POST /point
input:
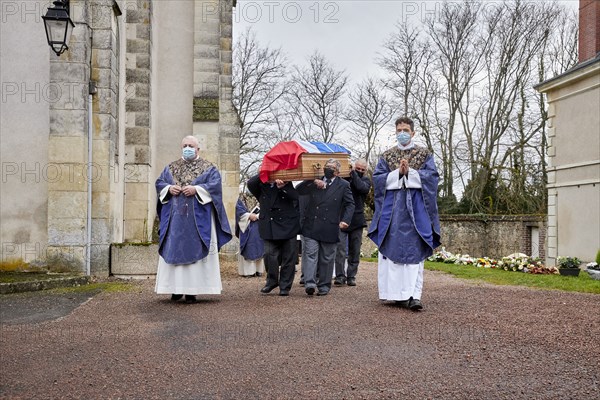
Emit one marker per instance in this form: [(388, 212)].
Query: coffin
[(310, 166), (298, 160)]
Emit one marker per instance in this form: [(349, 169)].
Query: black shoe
[(339, 281), (301, 282), (322, 293), (402, 303), (310, 291), (415, 304), (190, 299), (284, 292), (259, 274), (176, 297), (268, 289), (351, 281)]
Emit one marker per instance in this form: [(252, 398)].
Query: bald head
[(189, 148), (190, 140)]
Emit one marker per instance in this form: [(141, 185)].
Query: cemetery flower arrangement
[(537, 267), (517, 262), (593, 265), (486, 262)]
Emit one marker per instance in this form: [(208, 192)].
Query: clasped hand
[(188, 190), (403, 167)]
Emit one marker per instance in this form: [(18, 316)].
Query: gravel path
[(472, 341)]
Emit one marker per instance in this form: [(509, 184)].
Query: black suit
[(352, 236), (278, 225), (320, 229), (326, 208)]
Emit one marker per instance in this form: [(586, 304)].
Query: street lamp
[(58, 26)]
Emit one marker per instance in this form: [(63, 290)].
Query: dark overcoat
[(279, 216), (326, 209)]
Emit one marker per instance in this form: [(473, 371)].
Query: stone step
[(50, 283)]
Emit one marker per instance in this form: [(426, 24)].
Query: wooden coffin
[(310, 166)]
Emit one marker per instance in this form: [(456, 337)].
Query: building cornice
[(577, 73)]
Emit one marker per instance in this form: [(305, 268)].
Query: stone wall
[(215, 120), (105, 72), (67, 145), (486, 235), (139, 182)]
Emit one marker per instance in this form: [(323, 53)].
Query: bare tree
[(316, 99), (458, 45), (402, 59), (467, 80), (368, 112), (258, 84), (522, 30)]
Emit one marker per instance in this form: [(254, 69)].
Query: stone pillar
[(229, 126), (215, 120), (105, 72), (67, 146), (94, 43), (139, 184), (552, 221)]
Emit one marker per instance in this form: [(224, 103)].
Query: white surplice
[(399, 281)]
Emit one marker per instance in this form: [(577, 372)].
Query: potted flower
[(569, 266)]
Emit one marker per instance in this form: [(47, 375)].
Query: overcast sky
[(349, 33)]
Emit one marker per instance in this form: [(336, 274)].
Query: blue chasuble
[(185, 224)]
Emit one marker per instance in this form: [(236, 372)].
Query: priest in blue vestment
[(193, 226), (252, 247), (405, 224)]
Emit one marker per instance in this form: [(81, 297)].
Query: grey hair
[(194, 138), (361, 161), (335, 162)]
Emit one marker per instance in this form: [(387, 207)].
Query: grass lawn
[(582, 283)]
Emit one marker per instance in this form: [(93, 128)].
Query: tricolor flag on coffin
[(287, 156)]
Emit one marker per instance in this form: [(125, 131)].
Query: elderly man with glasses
[(330, 208)]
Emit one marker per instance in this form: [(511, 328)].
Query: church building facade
[(138, 76)]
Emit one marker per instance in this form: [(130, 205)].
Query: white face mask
[(188, 153)]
